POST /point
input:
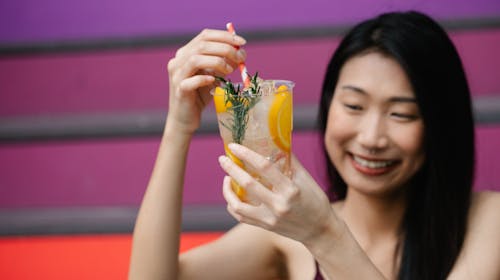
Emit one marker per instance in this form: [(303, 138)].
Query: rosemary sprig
[(242, 100)]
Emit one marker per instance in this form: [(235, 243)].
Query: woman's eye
[(353, 107), (404, 116)]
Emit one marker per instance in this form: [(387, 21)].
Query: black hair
[(435, 219)]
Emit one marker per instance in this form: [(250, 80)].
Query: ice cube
[(266, 88)]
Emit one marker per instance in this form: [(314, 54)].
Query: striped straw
[(242, 66)]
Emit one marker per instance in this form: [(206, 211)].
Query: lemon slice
[(280, 119), (220, 105)]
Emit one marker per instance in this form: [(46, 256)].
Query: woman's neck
[(375, 222), (373, 219)]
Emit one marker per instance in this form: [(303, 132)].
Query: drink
[(259, 118)]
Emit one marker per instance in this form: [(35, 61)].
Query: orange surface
[(75, 257)]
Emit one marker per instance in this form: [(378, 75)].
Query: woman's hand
[(191, 75), (296, 208)]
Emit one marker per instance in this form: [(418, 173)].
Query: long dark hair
[(439, 195)]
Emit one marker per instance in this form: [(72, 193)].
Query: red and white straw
[(243, 69)]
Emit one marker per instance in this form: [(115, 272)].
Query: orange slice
[(230, 155), (280, 119), (220, 105), (237, 189)]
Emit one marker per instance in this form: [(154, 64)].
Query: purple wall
[(137, 80), (115, 172), (31, 20)]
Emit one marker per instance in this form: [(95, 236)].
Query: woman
[(398, 132)]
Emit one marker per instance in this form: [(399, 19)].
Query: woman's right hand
[(192, 74)]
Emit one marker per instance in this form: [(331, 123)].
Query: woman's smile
[(372, 166)]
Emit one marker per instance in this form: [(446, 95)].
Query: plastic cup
[(262, 122)]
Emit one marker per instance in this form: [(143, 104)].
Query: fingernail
[(223, 159), (242, 54), (233, 147), (210, 78), (229, 68), (239, 40)]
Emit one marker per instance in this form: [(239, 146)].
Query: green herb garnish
[(242, 100)]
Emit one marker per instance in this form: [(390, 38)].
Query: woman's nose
[(372, 133)]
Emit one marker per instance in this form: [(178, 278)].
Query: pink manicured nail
[(233, 147), (223, 159)]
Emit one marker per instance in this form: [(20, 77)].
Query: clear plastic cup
[(262, 122)]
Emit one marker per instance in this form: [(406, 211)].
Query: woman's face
[(374, 131)]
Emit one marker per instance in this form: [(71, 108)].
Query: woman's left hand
[(294, 207)]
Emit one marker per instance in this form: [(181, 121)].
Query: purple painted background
[(32, 20), (115, 172), (137, 80)]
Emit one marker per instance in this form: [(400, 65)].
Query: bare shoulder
[(244, 251), (480, 253), (482, 197), (484, 211)]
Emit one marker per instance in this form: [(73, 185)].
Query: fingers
[(221, 36), (264, 167), (212, 52), (219, 54), (239, 210), (244, 212), (197, 62), (256, 192), (223, 50), (232, 200), (195, 82), (277, 201), (214, 43)]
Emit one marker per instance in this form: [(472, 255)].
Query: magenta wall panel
[(137, 79), (84, 83), (116, 172), (488, 158), (111, 172), (78, 173), (480, 54)]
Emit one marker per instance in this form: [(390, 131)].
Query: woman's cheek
[(339, 130), (339, 125), (409, 137)]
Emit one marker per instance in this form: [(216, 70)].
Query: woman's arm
[(155, 244), (244, 252), (156, 233)]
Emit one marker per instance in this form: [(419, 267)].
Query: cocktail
[(259, 117)]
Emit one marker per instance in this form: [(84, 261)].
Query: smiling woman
[(429, 143), (396, 120)]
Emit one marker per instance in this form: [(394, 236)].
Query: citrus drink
[(268, 124)]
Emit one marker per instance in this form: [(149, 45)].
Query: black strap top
[(318, 275)]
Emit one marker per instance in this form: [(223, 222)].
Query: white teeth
[(372, 164)]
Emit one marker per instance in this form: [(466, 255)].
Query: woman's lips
[(372, 167)]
